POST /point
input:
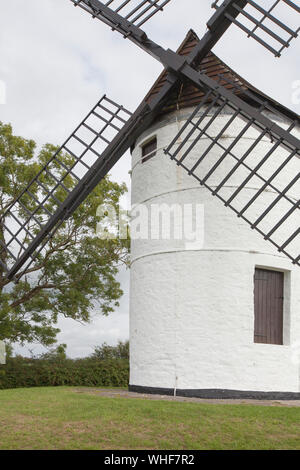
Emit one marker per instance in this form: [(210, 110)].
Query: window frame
[(147, 154)]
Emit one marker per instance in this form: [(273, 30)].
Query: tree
[(105, 351), (55, 354), (75, 273)]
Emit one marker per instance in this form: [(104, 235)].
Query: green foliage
[(106, 352), (108, 366), (57, 354), (76, 272), (25, 372), (54, 368)]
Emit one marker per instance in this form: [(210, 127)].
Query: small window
[(149, 150), (268, 306)]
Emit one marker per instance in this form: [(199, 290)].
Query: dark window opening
[(268, 306), (149, 150)]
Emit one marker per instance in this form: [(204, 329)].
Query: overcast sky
[(56, 62)]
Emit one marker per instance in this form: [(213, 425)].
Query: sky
[(56, 62)]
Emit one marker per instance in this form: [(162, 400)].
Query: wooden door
[(268, 306)]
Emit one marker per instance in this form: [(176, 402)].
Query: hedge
[(24, 372)]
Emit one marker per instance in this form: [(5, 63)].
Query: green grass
[(60, 418)]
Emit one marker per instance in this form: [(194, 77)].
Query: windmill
[(201, 131)]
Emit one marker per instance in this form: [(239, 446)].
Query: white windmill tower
[(216, 316)]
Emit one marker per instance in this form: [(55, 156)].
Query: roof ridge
[(188, 95)]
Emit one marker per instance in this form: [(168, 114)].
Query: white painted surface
[(192, 311), (2, 352)]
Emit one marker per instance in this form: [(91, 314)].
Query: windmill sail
[(109, 130), (227, 167), (136, 12), (60, 186), (269, 26)]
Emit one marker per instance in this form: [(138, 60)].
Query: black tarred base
[(216, 393)]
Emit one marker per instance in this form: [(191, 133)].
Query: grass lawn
[(60, 418)]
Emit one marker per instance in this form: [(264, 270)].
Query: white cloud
[(57, 62)]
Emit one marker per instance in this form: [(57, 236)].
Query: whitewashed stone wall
[(192, 310), (2, 352)]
